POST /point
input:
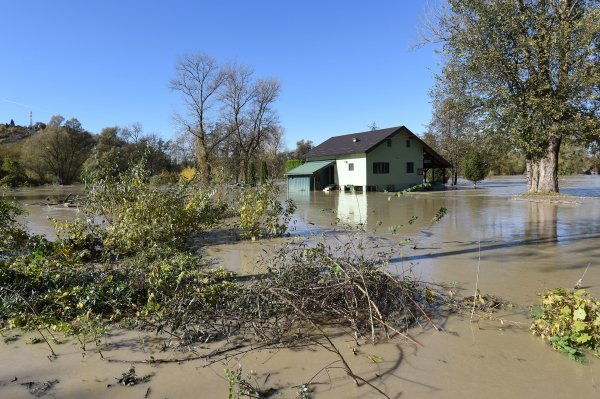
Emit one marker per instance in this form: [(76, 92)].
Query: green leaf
[(583, 338), (579, 314), (578, 326)]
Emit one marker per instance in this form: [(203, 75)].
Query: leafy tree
[(264, 172), (109, 151), (56, 121), (59, 151), (12, 173), (530, 69), (302, 148), (251, 175), (476, 167)]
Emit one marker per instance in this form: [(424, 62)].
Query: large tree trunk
[(204, 167), (542, 173)]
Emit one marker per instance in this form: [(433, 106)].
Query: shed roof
[(363, 142), (309, 168)]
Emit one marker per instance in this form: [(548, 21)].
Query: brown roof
[(366, 141)]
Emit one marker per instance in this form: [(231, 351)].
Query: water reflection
[(352, 208), (541, 221)]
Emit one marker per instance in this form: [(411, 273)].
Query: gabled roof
[(351, 143), (309, 168), (366, 141)]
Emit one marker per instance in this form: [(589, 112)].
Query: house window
[(381, 168), (350, 167), (407, 143), (389, 142), (410, 167)]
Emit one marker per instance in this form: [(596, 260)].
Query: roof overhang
[(309, 168)]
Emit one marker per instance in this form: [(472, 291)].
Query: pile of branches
[(305, 291)]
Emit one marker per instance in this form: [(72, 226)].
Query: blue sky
[(342, 64)]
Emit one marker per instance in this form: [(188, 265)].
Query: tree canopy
[(529, 72)]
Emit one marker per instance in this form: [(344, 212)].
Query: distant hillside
[(11, 133)]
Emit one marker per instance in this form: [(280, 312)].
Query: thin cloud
[(21, 104)]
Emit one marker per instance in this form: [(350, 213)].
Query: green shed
[(310, 176)]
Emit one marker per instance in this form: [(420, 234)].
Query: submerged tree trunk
[(542, 173)]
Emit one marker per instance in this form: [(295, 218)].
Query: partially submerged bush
[(136, 215), (12, 234), (45, 289), (261, 212), (570, 320)]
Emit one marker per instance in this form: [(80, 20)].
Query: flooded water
[(509, 246), (38, 218)]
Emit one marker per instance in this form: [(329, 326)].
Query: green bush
[(251, 178), (12, 234), (292, 163), (264, 172), (262, 214), (12, 174), (137, 216), (570, 320), (82, 297)]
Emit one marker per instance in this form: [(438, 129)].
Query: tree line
[(62, 151)]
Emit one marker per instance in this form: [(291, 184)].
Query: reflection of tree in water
[(541, 221)]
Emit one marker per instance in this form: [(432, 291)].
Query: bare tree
[(199, 79), (132, 134), (249, 111)]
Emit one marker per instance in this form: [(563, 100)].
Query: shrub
[(570, 320), (292, 163), (187, 174), (264, 172), (12, 234), (137, 216), (251, 174), (262, 214), (12, 174)]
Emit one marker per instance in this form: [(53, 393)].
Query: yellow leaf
[(375, 358)]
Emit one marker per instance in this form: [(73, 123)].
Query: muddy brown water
[(519, 247)]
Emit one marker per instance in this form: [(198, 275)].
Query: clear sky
[(342, 64)]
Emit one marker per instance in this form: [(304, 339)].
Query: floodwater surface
[(506, 245)]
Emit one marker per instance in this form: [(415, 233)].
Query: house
[(386, 159)]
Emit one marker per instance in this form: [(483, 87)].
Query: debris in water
[(39, 389)]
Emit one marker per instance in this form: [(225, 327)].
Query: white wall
[(343, 176), (357, 177)]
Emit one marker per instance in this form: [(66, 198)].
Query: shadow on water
[(502, 245)]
